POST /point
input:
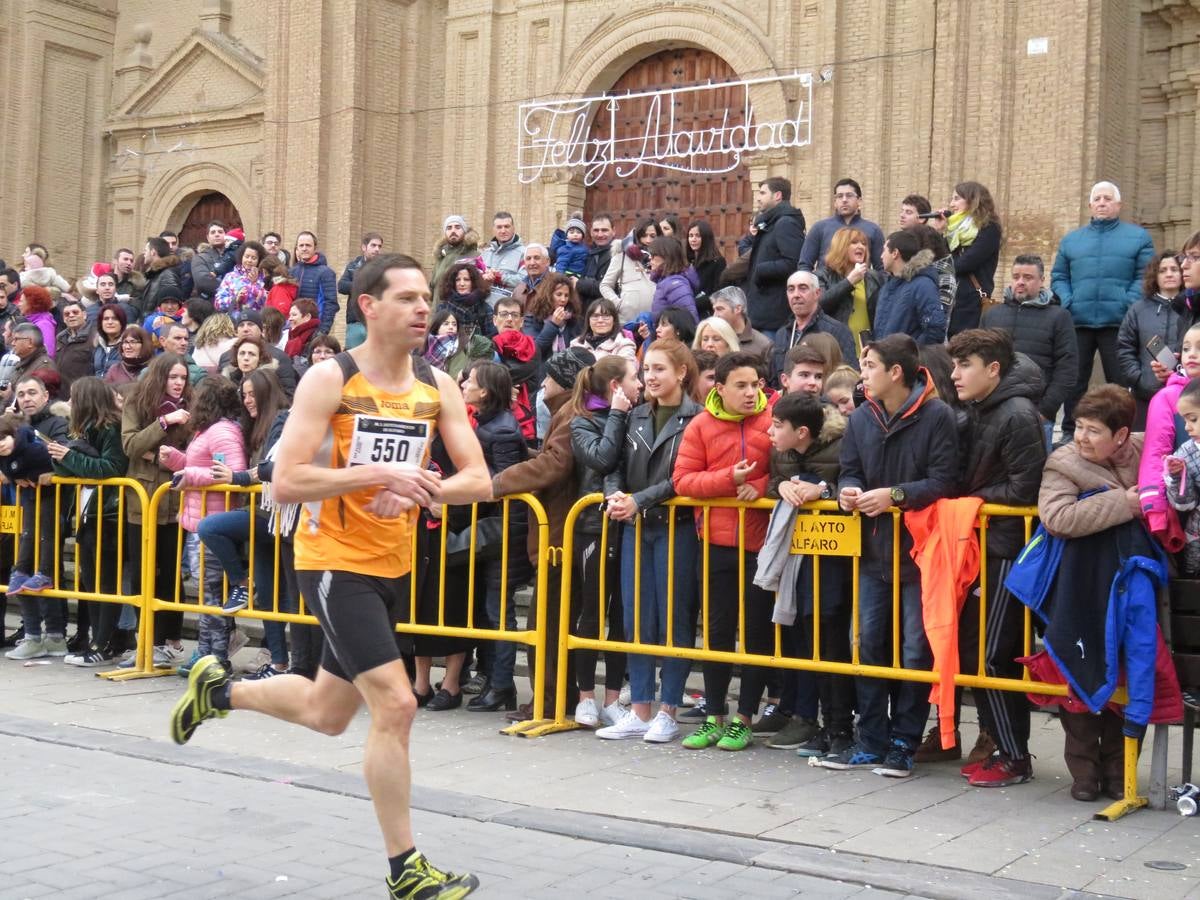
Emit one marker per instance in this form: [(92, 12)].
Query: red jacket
[(711, 447)]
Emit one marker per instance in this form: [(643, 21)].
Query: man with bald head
[(1097, 275), (804, 300)]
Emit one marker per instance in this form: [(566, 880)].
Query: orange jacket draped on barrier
[(946, 550)]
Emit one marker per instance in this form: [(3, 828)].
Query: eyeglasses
[(508, 315), (132, 341), (1184, 258)]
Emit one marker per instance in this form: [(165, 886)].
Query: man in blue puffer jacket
[(1097, 275)]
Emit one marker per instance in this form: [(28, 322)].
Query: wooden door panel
[(724, 199)]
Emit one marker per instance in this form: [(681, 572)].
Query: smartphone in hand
[(1162, 353)]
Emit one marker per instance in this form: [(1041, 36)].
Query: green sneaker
[(207, 675), (737, 736), (421, 881), (706, 735)]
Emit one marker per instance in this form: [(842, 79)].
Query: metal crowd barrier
[(238, 497), (846, 543), (71, 497)]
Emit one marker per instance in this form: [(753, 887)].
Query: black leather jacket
[(647, 460), (596, 443)]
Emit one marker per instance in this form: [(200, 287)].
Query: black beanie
[(564, 367)]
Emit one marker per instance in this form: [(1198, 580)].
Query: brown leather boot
[(931, 749), (983, 749)]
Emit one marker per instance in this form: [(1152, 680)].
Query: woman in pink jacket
[(217, 438), (1161, 441)]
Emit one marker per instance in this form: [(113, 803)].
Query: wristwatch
[(897, 496)]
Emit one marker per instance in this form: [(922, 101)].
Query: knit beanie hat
[(564, 367), (454, 220), (576, 223)]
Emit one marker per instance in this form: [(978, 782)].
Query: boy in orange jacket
[(726, 453)]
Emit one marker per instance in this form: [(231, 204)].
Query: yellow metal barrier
[(806, 531), (534, 638), (77, 492)]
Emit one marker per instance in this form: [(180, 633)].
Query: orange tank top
[(370, 425)]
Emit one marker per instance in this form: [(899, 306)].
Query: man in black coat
[(1042, 330), (1005, 452), (900, 449), (599, 256), (372, 246), (775, 254)]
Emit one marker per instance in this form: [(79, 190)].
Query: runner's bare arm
[(471, 482), (297, 479)]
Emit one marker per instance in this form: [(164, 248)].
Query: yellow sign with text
[(10, 520), (817, 535)]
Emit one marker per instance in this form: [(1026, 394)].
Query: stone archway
[(171, 200)]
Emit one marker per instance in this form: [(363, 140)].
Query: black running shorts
[(358, 614)]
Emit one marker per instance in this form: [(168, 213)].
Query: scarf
[(515, 345), (717, 409), (961, 231), (299, 336), (592, 403), (440, 348)]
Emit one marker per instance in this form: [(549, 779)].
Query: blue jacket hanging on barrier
[(1065, 581)]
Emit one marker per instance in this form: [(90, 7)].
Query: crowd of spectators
[(842, 361)]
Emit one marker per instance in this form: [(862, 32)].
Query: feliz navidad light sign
[(554, 134)]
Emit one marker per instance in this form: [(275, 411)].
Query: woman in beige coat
[(1103, 458)]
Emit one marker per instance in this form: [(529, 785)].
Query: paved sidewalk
[(1033, 833), (87, 824)]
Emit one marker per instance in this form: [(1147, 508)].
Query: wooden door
[(724, 199), (209, 207)]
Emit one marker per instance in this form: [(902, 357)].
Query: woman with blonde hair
[(213, 338), (849, 286), (717, 336)]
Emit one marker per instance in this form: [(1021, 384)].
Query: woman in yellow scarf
[(973, 233)]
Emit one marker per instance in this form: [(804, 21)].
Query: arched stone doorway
[(206, 208), (724, 199)]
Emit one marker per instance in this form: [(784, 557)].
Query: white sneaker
[(625, 695), (55, 644), (629, 728), (586, 714), (612, 713), (663, 729), (168, 656), (27, 648)]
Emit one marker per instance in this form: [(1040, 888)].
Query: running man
[(361, 492)]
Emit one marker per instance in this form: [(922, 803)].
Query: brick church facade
[(345, 116)]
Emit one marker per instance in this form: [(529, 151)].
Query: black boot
[(443, 700), (494, 699)]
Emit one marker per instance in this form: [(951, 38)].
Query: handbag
[(986, 301)]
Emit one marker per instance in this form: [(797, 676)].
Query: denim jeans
[(223, 534), (38, 533), (652, 628), (910, 699)]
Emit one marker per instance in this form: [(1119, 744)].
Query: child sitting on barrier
[(23, 461), (217, 438)]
